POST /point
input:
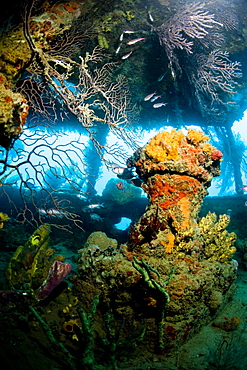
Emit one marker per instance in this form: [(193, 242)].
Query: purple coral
[(57, 273)]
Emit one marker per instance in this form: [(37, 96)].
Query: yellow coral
[(196, 137), (3, 217), (9, 272), (39, 240), (103, 43), (169, 243), (164, 146), (23, 264), (129, 15), (218, 242), (208, 148), (35, 239)]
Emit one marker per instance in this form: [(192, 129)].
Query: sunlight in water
[(123, 224)]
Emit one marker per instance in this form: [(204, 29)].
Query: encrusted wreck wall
[(176, 271), (16, 55)]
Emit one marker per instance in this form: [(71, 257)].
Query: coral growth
[(113, 194), (3, 219), (172, 277), (53, 22), (176, 271), (29, 265), (176, 169), (218, 242), (100, 240), (15, 57), (13, 111), (164, 146), (228, 323)]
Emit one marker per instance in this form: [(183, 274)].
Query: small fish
[(81, 196), (244, 188), (126, 174), (159, 105), (118, 49), (95, 217), (148, 97), (173, 74), (120, 185), (128, 31), (42, 212), (17, 291), (161, 77), (150, 17), (155, 98), (94, 248), (113, 165), (90, 207), (134, 41), (127, 55), (117, 169), (122, 34), (52, 212), (245, 204)]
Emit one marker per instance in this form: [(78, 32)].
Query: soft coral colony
[(159, 287)]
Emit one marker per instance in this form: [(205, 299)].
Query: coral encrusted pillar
[(176, 171)]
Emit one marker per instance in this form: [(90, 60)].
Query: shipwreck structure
[(145, 298), (176, 271)]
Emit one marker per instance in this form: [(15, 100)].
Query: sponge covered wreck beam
[(16, 55)]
